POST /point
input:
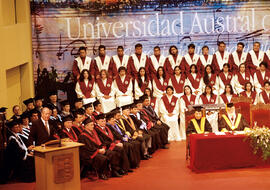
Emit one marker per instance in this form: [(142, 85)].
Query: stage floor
[(168, 170)]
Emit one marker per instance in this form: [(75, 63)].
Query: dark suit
[(39, 134)]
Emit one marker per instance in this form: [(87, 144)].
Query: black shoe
[(145, 157), (115, 174), (130, 170), (122, 172), (149, 156), (103, 177), (165, 147)]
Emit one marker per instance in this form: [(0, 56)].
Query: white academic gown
[(121, 99), (107, 104), (174, 132)]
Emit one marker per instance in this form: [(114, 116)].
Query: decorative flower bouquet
[(260, 140)]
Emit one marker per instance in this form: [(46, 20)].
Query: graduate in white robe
[(153, 100), (225, 77), (142, 82), (104, 91), (101, 62), (205, 59), (194, 80), (186, 100), (241, 78), (123, 88), (208, 97), (210, 78), (261, 76), (85, 87), (169, 109), (264, 96), (157, 60), (178, 81), (160, 83), (249, 92)]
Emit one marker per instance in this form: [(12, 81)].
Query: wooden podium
[(58, 167)]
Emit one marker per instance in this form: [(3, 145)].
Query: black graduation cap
[(134, 105), (125, 107), (80, 111), (33, 111), (110, 115), (88, 120), (143, 97), (25, 115), (100, 116), (88, 105), (198, 108), (11, 123), (52, 93), (3, 109), (28, 101), (78, 100), (140, 101), (64, 103), (229, 105), (97, 102), (67, 118), (38, 98)]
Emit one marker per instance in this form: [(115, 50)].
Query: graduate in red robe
[(220, 57), (237, 57), (174, 59), (101, 62), (264, 96), (249, 92), (136, 61), (155, 61), (67, 131), (117, 61), (255, 57), (82, 62), (191, 58)]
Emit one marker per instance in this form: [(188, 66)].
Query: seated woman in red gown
[(250, 92), (227, 95)]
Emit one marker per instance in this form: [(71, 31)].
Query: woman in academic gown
[(178, 81), (241, 78), (85, 87), (210, 78), (188, 99), (208, 97), (169, 110), (250, 93), (227, 95), (194, 80), (105, 92), (160, 83), (142, 82), (153, 100), (264, 96), (225, 77), (123, 88), (261, 76)]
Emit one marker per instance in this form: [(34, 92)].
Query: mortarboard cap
[(3, 109), (125, 107), (97, 102), (229, 105), (100, 116), (28, 101), (88, 105), (198, 108), (88, 120), (67, 118)]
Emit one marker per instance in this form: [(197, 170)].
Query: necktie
[(47, 127)]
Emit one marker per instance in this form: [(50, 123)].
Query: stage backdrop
[(60, 27)]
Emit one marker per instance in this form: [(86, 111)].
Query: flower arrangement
[(260, 140)]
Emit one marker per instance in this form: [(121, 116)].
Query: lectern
[(58, 167)]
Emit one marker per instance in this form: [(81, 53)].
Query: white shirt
[(46, 123)]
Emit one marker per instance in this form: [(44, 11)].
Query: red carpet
[(168, 170)]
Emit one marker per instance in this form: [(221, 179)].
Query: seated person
[(67, 131), (19, 162), (199, 124), (231, 121)]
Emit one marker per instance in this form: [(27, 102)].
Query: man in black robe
[(94, 153), (107, 138), (199, 124), (131, 147)]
